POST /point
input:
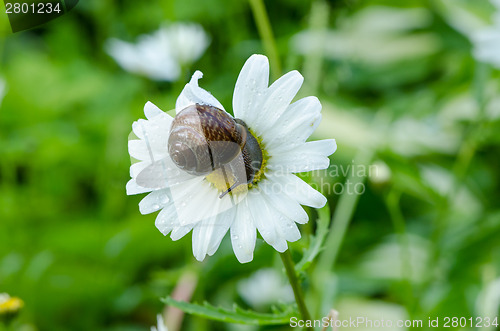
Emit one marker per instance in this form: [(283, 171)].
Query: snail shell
[(203, 138)]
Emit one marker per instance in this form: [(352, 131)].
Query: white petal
[(153, 201), (137, 129), (299, 190), (133, 188), (265, 219), (155, 133), (195, 200), (137, 167), (293, 128), (161, 174), (274, 193), (243, 234), (151, 110), (180, 231), (123, 52), (189, 41), (192, 94), (201, 238), (167, 219), (251, 85), (288, 229), (149, 57), (224, 221), (139, 150), (161, 324), (208, 234), (312, 155), (275, 101)]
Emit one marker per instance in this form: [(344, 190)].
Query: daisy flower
[(265, 287), (161, 55), (270, 202), (9, 305), (487, 41)]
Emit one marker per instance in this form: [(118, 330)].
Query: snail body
[(204, 138)]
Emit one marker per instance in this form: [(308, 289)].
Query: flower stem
[(392, 201), (324, 281), (343, 214), (286, 257), (266, 34), (318, 23)]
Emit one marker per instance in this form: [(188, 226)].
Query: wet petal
[(310, 156), (153, 202), (265, 219), (180, 231), (192, 94), (299, 190), (293, 128), (243, 234), (275, 195), (167, 220), (133, 188), (151, 110), (275, 101), (251, 85)]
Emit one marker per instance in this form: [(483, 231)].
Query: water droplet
[(155, 206), (235, 237)]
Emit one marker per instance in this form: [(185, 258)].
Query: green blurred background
[(424, 238)]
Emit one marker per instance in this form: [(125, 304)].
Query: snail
[(205, 138)]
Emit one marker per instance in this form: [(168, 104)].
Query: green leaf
[(235, 315), (316, 241)]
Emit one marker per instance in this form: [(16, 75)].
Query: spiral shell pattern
[(203, 138)]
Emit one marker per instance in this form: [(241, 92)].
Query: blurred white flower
[(375, 35), (460, 15), (380, 173), (160, 324), (409, 136), (464, 107), (371, 310), (270, 201), (487, 41), (265, 287), (442, 181), (488, 301), (388, 260), (162, 54)]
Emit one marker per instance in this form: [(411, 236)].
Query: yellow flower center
[(11, 305), (222, 180)]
